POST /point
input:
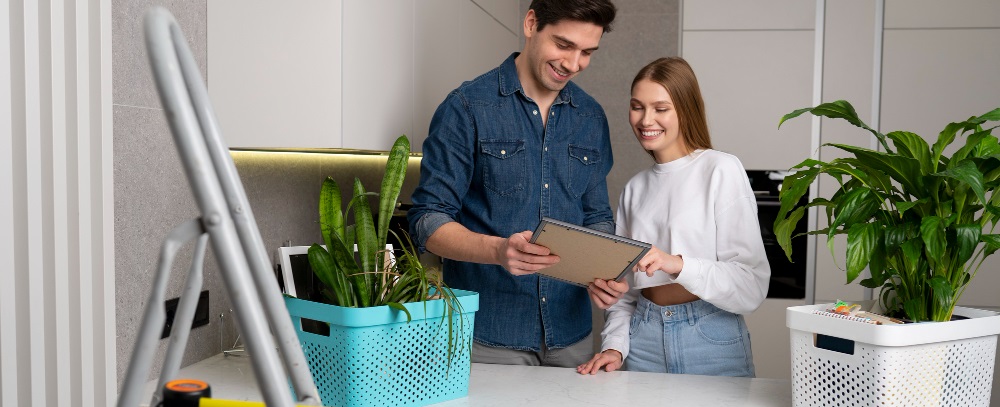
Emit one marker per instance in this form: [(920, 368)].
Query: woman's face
[(654, 121)]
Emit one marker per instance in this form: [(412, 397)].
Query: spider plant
[(373, 278), (919, 220)]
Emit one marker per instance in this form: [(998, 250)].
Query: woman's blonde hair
[(677, 77)]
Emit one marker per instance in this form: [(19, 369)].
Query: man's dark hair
[(597, 12)]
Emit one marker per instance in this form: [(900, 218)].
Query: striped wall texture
[(57, 342)]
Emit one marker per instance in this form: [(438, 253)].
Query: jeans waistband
[(687, 312)]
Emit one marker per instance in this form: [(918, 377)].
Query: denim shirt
[(491, 165)]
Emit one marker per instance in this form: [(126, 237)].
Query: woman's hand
[(657, 259), (605, 293), (610, 360)]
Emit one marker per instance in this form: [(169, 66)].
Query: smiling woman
[(707, 267)]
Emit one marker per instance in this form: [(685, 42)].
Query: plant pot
[(374, 357), (848, 363)]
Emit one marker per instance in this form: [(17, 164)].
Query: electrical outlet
[(200, 313)]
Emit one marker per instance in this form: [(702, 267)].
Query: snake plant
[(919, 220), (372, 278)]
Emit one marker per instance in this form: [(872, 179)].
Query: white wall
[(56, 239)]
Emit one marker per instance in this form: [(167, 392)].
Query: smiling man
[(521, 142)]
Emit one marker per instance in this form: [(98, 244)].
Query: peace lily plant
[(919, 220), (370, 278)]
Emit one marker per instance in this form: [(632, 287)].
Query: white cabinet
[(353, 74), (378, 51), (274, 72)]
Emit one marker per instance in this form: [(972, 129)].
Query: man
[(505, 149)]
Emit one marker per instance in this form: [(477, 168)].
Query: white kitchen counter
[(501, 385)]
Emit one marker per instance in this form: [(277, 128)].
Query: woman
[(707, 266)]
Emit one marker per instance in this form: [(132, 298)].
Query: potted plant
[(396, 333), (922, 223), (913, 216)]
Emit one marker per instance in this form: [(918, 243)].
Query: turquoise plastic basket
[(373, 357)]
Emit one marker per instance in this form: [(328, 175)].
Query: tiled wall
[(151, 192)]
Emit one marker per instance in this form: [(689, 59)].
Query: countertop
[(231, 377)]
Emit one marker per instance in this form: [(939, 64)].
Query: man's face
[(559, 51)]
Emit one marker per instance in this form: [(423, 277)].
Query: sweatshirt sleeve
[(617, 319), (737, 280)]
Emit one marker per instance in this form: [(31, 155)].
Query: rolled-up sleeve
[(445, 170)]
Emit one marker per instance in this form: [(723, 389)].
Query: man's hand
[(605, 293), (520, 257), (610, 360)]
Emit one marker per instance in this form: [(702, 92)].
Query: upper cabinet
[(352, 74), (275, 71)]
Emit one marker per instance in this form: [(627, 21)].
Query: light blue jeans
[(690, 338)]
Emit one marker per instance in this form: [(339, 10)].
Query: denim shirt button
[(534, 112), (584, 158), (546, 186), (504, 152), (543, 299)]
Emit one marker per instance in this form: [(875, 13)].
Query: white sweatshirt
[(701, 207)]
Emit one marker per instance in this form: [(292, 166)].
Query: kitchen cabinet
[(352, 74), (274, 72)]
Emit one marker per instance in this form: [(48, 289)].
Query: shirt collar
[(510, 83)]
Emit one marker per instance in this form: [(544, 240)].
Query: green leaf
[(343, 257), (907, 205), (966, 238), (399, 307), (364, 229), (966, 172), (877, 263), (321, 264), (840, 109), (858, 205), (392, 183), (861, 241), (991, 116), (783, 229), (895, 235), (330, 274), (972, 143), (946, 137), (904, 170), (913, 146), (932, 233), (793, 115), (915, 309), (331, 219), (992, 243), (943, 291), (793, 188)]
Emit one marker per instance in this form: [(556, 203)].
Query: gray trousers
[(571, 356)]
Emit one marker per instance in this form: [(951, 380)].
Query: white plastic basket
[(838, 362)]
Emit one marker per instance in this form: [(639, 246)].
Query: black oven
[(788, 279)]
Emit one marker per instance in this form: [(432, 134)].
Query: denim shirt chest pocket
[(582, 165), (503, 165)]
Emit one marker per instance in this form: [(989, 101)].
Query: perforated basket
[(839, 362), (373, 357)]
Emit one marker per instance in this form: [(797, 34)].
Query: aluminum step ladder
[(228, 224)]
